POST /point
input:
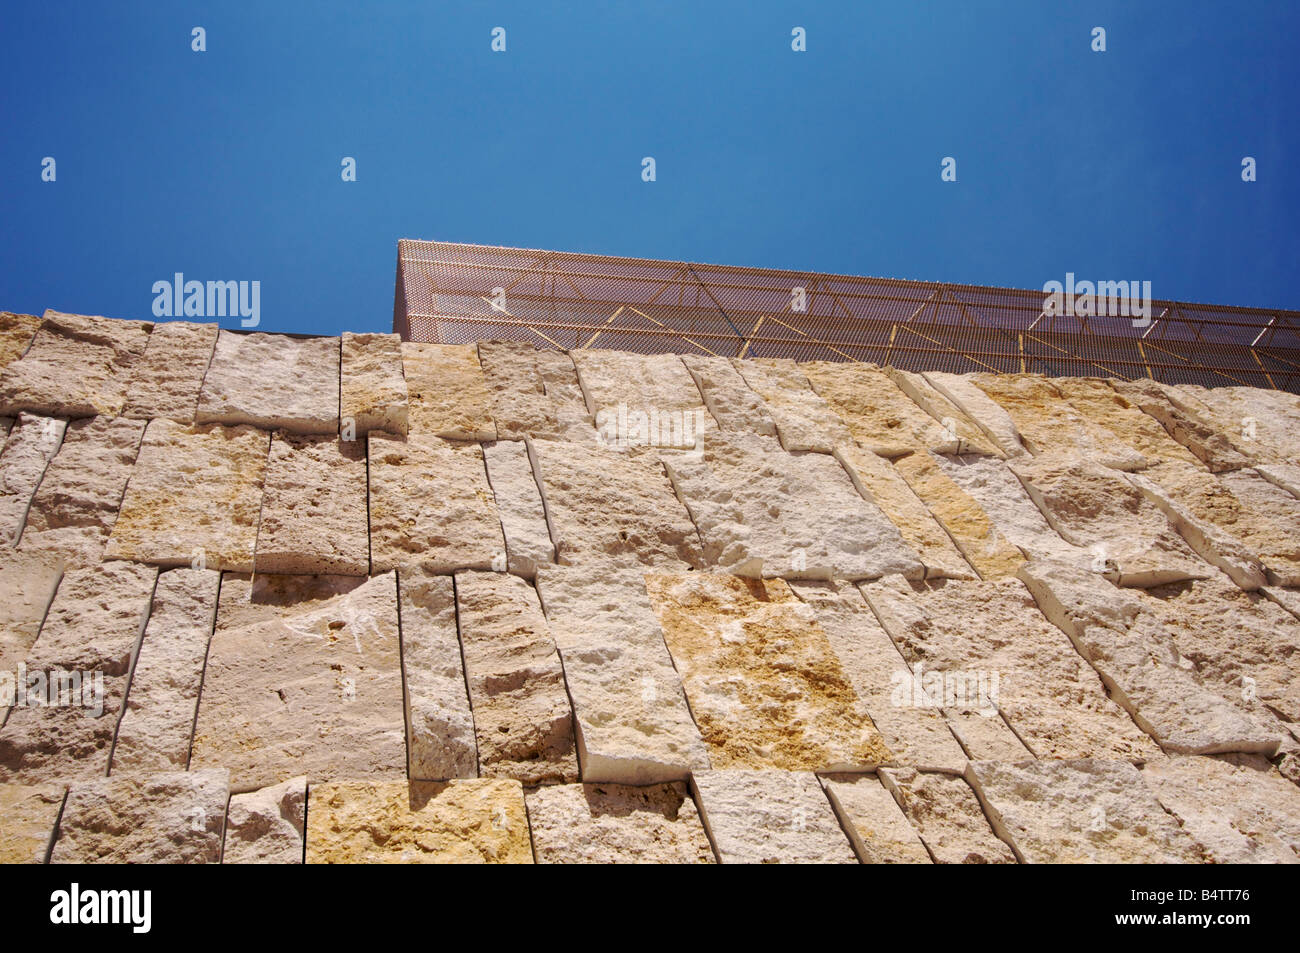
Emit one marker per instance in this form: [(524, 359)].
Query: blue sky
[(226, 164)]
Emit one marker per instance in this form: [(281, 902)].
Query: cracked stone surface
[(729, 399), (804, 421), (560, 378), (764, 513), (173, 817), (27, 585), (76, 505), (431, 506), (30, 814), (75, 366), (303, 677), (1262, 423), (154, 734), (614, 823), (994, 422), (642, 401), (267, 826), (522, 717), (1100, 403), (881, 417), (28, 448), (167, 379), (272, 381), (764, 684), (520, 405), (314, 517), (372, 385), (876, 826), (1084, 811), (439, 724), (1185, 420), (195, 497), (16, 333), (519, 501), (448, 394), (956, 423), (947, 817), (481, 821), (770, 817)]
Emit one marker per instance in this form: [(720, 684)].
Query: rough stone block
[(447, 392), (519, 501), (876, 825), (166, 381), (947, 817), (267, 826), (372, 385), (804, 421), (27, 450), (274, 382), (29, 816)]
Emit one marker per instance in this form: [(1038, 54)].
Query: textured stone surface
[(956, 423), (303, 677), (762, 512), (947, 817), (456, 822), (1003, 654), (314, 517), (878, 482), (1262, 423), (76, 505), (1085, 811), (16, 333), (272, 381), (607, 508), (876, 826), (989, 551), (155, 731), (1240, 813), (372, 385), (522, 717), (195, 497), (1271, 524), (642, 401), (76, 366), (1097, 508), (616, 824), (633, 722), (27, 450), (1140, 663), (881, 417), (764, 685), (1182, 418), (27, 819), (93, 626), (519, 501), (1286, 476), (1101, 404), (804, 421), (167, 380), (729, 399), (770, 817), (448, 395), (267, 826), (994, 422), (431, 506), (560, 378), (439, 724), (170, 818), (520, 405), (27, 585)]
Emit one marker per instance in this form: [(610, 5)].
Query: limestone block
[(729, 399), (876, 825), (1283, 475), (560, 378), (1084, 811), (1185, 421), (195, 497), (440, 726), (522, 717), (1263, 423), (616, 824), (166, 381), (154, 734), (174, 817), (27, 585), (431, 506), (804, 421), (76, 366), (27, 450), (612, 509), (641, 400), (372, 385), (303, 676), (1101, 404), (876, 479), (762, 512), (272, 381), (314, 517), (29, 817), (1270, 524), (16, 333), (520, 404), (770, 817), (994, 422), (387, 822), (447, 393), (267, 826), (881, 417), (764, 685), (956, 423), (947, 817), (76, 505), (519, 501)]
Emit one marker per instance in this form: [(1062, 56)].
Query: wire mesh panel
[(455, 293)]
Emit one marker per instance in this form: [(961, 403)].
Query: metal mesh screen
[(457, 294)]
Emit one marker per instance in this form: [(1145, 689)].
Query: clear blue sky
[(225, 164)]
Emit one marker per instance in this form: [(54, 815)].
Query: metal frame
[(447, 292)]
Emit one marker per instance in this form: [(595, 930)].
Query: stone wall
[(355, 600)]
